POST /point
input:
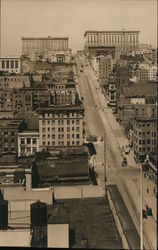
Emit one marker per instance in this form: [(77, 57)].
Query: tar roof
[(90, 219)]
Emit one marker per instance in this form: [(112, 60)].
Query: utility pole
[(105, 179), (141, 213)]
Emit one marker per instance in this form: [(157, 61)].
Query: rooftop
[(89, 220), (141, 89), (62, 165), (44, 38), (60, 107)]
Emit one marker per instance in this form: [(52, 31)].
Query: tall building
[(54, 49), (61, 126), (124, 41), (10, 64)]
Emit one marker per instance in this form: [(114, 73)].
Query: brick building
[(9, 129), (61, 126)]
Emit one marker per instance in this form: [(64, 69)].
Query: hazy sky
[(71, 18)]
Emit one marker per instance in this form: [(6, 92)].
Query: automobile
[(81, 70), (145, 214), (149, 210), (124, 162)]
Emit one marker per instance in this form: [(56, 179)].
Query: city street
[(101, 122)]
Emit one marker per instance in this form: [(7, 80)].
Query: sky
[(42, 18)]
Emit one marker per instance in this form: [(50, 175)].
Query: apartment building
[(28, 143), (61, 126), (10, 64), (14, 81), (124, 41), (9, 129)]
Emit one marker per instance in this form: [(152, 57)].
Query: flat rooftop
[(89, 219)]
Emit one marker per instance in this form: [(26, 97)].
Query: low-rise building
[(10, 64), (28, 142), (14, 81), (61, 126)]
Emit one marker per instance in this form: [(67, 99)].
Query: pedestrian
[(154, 190), (147, 190)]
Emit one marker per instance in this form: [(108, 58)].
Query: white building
[(28, 143), (10, 64)]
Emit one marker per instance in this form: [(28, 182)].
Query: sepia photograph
[(78, 124)]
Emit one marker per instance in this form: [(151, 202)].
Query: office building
[(61, 126), (123, 41)]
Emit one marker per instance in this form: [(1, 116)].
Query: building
[(144, 130), (28, 143), (63, 92), (14, 81), (10, 64), (6, 100), (43, 47), (66, 166), (61, 126), (123, 41), (22, 100), (141, 75), (111, 92), (58, 56), (9, 129), (154, 56)]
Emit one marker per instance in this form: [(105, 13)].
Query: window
[(73, 121), (73, 135), (73, 128), (3, 64), (43, 122), (148, 141), (48, 122), (12, 140), (53, 136), (34, 149), (22, 141), (12, 133), (77, 136), (16, 64), (34, 140), (77, 122), (43, 130), (53, 129), (68, 129), (68, 143), (68, 122), (5, 133), (28, 149), (43, 143), (78, 143), (7, 64), (48, 129), (12, 64), (77, 129), (53, 122)]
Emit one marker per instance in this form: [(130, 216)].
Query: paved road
[(100, 121)]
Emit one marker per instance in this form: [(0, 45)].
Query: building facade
[(61, 126), (14, 81), (28, 143), (34, 47), (124, 41), (9, 129), (58, 56), (11, 65)]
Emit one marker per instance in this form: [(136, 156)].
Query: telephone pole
[(105, 179)]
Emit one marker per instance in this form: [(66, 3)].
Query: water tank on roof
[(3, 214), (38, 214)]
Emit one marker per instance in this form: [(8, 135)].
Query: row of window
[(50, 115), (60, 129), (148, 141), (143, 133), (10, 64), (60, 143), (61, 136), (60, 122), (28, 141)]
